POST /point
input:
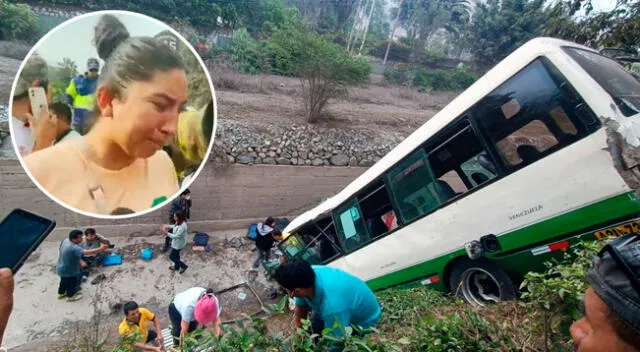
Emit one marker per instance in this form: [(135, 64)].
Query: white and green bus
[(513, 171)]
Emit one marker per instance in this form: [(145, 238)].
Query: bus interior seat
[(528, 153), (479, 178), (445, 192)]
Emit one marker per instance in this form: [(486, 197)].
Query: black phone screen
[(20, 234)]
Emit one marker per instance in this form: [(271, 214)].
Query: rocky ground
[(39, 315)]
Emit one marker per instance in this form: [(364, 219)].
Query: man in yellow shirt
[(135, 322)]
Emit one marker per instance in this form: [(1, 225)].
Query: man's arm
[(156, 323), (216, 326), (6, 299), (299, 313), (145, 347), (102, 248), (184, 328), (103, 240)]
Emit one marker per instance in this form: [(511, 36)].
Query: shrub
[(397, 52), (18, 23), (425, 80), (554, 297), (245, 55)]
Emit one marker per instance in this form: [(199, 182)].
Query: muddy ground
[(39, 315)]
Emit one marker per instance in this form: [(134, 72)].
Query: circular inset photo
[(113, 114)]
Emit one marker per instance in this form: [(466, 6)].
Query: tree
[(500, 27), (619, 27), (61, 76), (325, 68), (326, 72), (427, 16), (17, 23)]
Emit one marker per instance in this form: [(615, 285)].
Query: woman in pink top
[(119, 166)]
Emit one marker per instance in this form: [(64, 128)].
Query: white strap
[(94, 187)]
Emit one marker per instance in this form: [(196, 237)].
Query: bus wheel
[(481, 282)]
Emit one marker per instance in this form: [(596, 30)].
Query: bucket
[(146, 254)]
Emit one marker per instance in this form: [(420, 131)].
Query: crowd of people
[(123, 132)]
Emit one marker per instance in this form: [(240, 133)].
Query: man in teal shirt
[(337, 298)]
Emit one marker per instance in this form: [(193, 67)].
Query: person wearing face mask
[(612, 302), (28, 133), (80, 94), (119, 163)]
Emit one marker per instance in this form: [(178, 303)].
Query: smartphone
[(21, 232), (38, 99)]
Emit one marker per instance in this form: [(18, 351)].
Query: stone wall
[(224, 197), (301, 145)]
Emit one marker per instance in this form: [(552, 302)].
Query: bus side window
[(351, 227), (529, 116)]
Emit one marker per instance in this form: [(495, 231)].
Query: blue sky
[(74, 40)]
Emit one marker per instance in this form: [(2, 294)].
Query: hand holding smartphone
[(21, 232), (39, 105)]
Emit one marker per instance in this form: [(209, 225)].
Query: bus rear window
[(620, 84)]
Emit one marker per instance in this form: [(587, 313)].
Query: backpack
[(252, 233), (201, 239)]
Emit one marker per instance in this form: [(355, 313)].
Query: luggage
[(201, 239), (146, 254)]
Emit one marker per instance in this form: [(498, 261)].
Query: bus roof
[(483, 86)]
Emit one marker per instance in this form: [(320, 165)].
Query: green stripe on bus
[(612, 208)]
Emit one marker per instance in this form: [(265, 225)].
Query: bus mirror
[(474, 249), (490, 243)]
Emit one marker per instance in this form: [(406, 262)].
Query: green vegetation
[(17, 23), (428, 80), (424, 320)]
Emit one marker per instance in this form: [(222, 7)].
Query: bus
[(512, 172)]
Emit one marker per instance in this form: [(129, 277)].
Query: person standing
[(178, 234), (69, 268), (183, 204), (335, 297), (194, 306), (31, 134), (264, 241), (135, 322), (80, 94)]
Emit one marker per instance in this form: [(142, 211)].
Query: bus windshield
[(620, 84)]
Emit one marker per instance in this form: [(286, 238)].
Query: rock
[(339, 160), (283, 161), (257, 161), (317, 162), (294, 161), (301, 162), (294, 154), (231, 159), (269, 161), (272, 154), (325, 162), (353, 161), (262, 155), (303, 154), (365, 163), (236, 242), (245, 159)]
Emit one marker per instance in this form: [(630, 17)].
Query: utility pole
[(366, 28)]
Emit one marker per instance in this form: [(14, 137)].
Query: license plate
[(619, 230)]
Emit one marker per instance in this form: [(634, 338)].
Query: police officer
[(81, 94)]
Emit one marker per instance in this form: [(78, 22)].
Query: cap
[(206, 310), (168, 38), (34, 69), (613, 286), (93, 64)]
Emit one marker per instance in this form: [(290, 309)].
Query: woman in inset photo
[(120, 163)]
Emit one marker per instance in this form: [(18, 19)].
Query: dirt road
[(39, 315)]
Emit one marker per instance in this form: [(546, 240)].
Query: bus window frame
[(470, 116)]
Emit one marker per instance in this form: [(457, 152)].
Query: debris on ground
[(99, 279), (235, 242)]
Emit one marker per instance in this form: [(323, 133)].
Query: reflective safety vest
[(81, 95)]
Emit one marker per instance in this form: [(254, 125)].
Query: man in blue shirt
[(68, 267), (337, 298)]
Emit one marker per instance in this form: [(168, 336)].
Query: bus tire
[(480, 282)]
